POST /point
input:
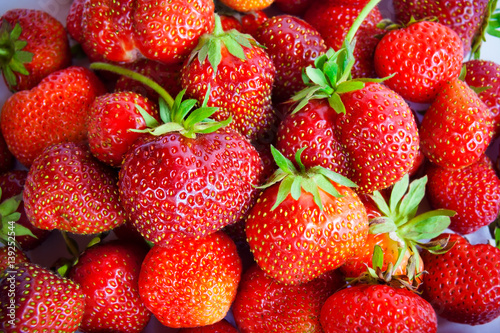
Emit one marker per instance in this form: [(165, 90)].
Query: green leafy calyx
[(9, 228)]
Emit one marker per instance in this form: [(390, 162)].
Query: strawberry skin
[(424, 56), (44, 301), (68, 189), (463, 284), (52, 112), (222, 326), (8, 254), (377, 308), (191, 282), (109, 277), (456, 129)]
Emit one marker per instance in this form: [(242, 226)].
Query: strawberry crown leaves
[(8, 218), (293, 181), (490, 25), (12, 56)]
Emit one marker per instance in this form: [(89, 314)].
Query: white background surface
[(53, 247)]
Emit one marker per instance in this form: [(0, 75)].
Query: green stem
[(361, 17), (136, 76), (71, 245), (218, 31)]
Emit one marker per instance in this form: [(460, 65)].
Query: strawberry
[(109, 276), (222, 326), (33, 45), (42, 301), (251, 21), (10, 256), (7, 160), (68, 189), (52, 112), (473, 192), (240, 75), (305, 222), (464, 17), (265, 305), (293, 7), (422, 57), (484, 74), (125, 31), (469, 271), (229, 22), (292, 44), (377, 308), (110, 118), (191, 282), (456, 129), (247, 5)]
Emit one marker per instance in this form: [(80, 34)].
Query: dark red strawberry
[(222, 326), (43, 301), (7, 160), (33, 45), (191, 282), (69, 189), (10, 256), (293, 7), (109, 276)]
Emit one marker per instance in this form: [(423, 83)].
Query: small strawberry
[(456, 129), (293, 7), (265, 305), (463, 284), (42, 301), (68, 189), (33, 44), (473, 192), (251, 21), (10, 256), (54, 111), (247, 5), (222, 326), (109, 277), (229, 22), (292, 44), (422, 57), (191, 282)]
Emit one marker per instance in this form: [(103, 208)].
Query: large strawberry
[(240, 75), (33, 44), (456, 129), (265, 305), (305, 223), (42, 301), (109, 276), (463, 284), (422, 57), (52, 112), (69, 189), (191, 282)]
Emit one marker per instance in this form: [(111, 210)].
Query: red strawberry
[(473, 192), (52, 112), (43, 301), (10, 256), (265, 305), (109, 277), (305, 223), (191, 282), (240, 75), (456, 129), (423, 57), (464, 17), (7, 160), (377, 308), (68, 189), (34, 44), (293, 7), (111, 116), (486, 74), (463, 284), (229, 22), (251, 21), (222, 326), (292, 44)]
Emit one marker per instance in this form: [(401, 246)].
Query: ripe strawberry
[(10, 256), (229, 22), (240, 75), (7, 160), (247, 5), (109, 276), (463, 284), (293, 7), (52, 112), (297, 232), (68, 189), (464, 17), (251, 21), (191, 282), (33, 44), (43, 301), (292, 44), (423, 57), (125, 31), (265, 305), (377, 308), (456, 129), (486, 74), (222, 326), (111, 116), (473, 192)]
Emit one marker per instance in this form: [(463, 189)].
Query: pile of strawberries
[(250, 166)]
